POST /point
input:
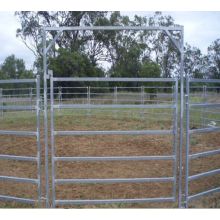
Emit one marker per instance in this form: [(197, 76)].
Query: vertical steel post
[(142, 95), (181, 115), (1, 101), (204, 89), (115, 100), (175, 134), (38, 138), (187, 142), (88, 99), (115, 95), (59, 96), (52, 139), (31, 96), (142, 101), (45, 118)]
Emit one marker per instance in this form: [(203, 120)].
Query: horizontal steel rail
[(111, 201), (130, 132), (19, 179), (113, 28), (200, 175), (110, 79), (18, 107), (118, 106), (204, 154), (19, 158), (205, 105), (18, 133), (115, 158), (204, 193), (204, 130), (8, 81), (204, 81), (17, 199), (115, 180)]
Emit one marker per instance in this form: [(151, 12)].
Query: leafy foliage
[(14, 68), (121, 53), (214, 59)]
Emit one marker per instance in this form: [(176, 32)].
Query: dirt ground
[(115, 145)]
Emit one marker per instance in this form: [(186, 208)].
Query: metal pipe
[(114, 28), (116, 158), (98, 106), (204, 80), (175, 135), (204, 154), (111, 201), (18, 107), (1, 102), (187, 143), (17, 199), (204, 174), (8, 81), (19, 158), (45, 120), (204, 193), (130, 132), (204, 130), (116, 180), (38, 139), (19, 179), (18, 133), (205, 105), (109, 79), (52, 139), (181, 115)]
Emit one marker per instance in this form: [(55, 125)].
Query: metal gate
[(173, 106), (23, 133), (202, 110)]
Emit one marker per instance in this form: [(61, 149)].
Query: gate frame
[(189, 131), (180, 48), (26, 133), (173, 132)]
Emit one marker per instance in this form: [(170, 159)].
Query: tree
[(31, 23), (214, 59), (159, 47), (149, 69), (73, 64), (122, 50), (195, 62), (14, 68)]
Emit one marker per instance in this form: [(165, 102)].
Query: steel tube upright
[(1, 101), (38, 138), (187, 143), (175, 135), (181, 115), (45, 118), (60, 95), (52, 138)]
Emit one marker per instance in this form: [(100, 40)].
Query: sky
[(200, 30)]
